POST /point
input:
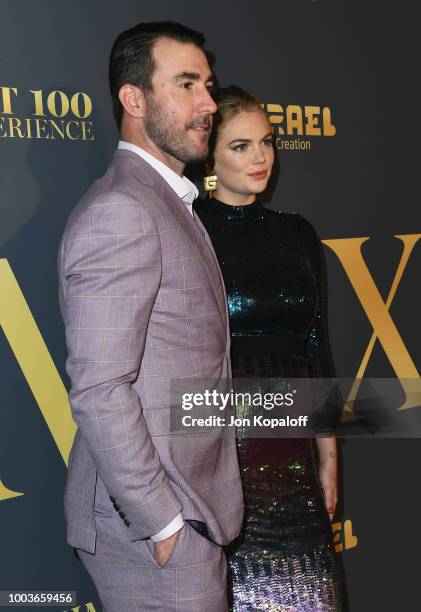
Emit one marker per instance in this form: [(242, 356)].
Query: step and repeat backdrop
[(338, 81)]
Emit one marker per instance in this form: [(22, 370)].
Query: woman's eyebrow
[(239, 140)]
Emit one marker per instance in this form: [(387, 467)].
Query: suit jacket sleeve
[(111, 270)]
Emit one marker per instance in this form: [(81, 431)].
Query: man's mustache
[(203, 122)]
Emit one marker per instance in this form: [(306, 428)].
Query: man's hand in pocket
[(164, 549)]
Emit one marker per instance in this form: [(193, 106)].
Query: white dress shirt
[(183, 187), (187, 191)]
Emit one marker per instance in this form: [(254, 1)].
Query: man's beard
[(171, 138)]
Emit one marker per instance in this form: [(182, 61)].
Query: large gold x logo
[(348, 251), (30, 350)]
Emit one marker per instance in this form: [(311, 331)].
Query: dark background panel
[(359, 59)]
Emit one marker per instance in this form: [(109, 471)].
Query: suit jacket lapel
[(195, 231), (192, 227), (209, 242)]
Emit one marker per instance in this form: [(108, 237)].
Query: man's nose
[(206, 103)]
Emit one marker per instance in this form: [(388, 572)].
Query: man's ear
[(133, 100)]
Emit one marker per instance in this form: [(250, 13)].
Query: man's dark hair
[(131, 59)]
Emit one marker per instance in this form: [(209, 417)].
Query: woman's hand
[(328, 473)]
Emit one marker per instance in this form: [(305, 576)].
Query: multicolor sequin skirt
[(284, 559)]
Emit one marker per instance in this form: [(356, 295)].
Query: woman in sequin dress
[(273, 271)]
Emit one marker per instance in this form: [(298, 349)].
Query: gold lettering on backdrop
[(328, 128), (35, 360), (297, 144), (278, 118), (87, 130), (28, 128), (349, 540), (69, 134), (312, 115), (88, 607), (15, 124), (64, 104), (38, 101), (6, 493), (318, 121), (348, 251), (54, 115), (294, 119), (57, 129), (75, 105), (6, 99), (45, 129), (41, 128)]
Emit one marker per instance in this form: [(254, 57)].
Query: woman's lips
[(258, 175)]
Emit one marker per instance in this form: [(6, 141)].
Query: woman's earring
[(210, 183)]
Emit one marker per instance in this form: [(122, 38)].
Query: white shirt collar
[(183, 187)]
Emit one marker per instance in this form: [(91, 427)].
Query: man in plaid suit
[(143, 304)]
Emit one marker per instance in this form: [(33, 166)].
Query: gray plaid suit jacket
[(143, 302)]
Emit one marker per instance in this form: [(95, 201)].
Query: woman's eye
[(240, 147), (268, 142)]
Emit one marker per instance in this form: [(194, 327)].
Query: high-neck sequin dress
[(272, 266)]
